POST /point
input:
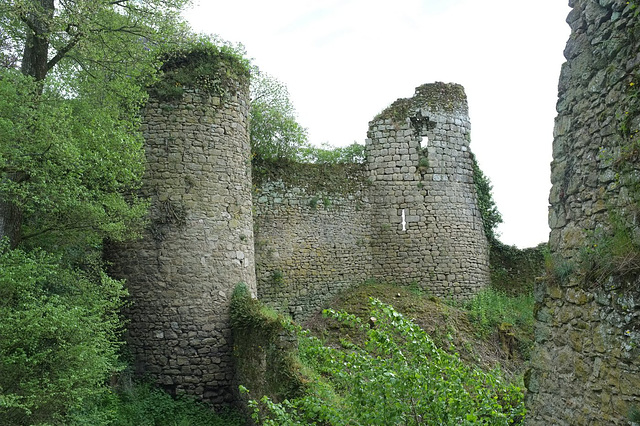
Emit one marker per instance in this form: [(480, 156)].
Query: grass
[(492, 309)]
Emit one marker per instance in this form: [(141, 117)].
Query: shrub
[(58, 336), (398, 376), (144, 405), (491, 308)]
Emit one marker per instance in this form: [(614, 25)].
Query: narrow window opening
[(424, 142), (404, 222)]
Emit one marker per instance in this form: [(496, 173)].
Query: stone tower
[(586, 363), (199, 242), (426, 226)]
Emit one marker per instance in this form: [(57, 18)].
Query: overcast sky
[(344, 61)]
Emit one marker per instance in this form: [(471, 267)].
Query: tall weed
[(490, 309)]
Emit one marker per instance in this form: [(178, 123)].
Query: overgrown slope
[(487, 332)]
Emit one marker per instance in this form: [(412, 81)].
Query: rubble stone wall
[(197, 247), (312, 238), (426, 226), (586, 364), (408, 215), (316, 237)]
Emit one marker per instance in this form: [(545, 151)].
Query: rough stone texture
[(314, 238), (442, 246), (198, 246), (318, 229), (586, 365)]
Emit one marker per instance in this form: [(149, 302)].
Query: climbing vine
[(491, 217)]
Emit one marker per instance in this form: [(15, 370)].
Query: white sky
[(344, 61)]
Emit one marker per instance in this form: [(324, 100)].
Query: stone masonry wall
[(421, 172), (198, 246), (318, 229), (312, 237), (586, 364)]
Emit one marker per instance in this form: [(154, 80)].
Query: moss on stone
[(438, 96), (341, 178), (265, 349), (203, 66)]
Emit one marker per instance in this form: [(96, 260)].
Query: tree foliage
[(70, 128), (58, 335), (275, 134), (72, 80), (78, 160), (491, 217), (327, 154)]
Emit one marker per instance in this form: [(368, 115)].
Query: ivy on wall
[(491, 217)]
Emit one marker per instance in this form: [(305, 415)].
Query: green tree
[(275, 134), (72, 81), (326, 153), (75, 159), (58, 336), (89, 60)]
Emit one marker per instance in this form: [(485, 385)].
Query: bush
[(398, 376), (58, 336), (144, 405), (490, 309)]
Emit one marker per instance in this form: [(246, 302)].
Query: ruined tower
[(199, 241), (426, 226)]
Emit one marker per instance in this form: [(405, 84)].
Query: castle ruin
[(408, 215)]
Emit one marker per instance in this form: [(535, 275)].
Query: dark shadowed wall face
[(586, 366)]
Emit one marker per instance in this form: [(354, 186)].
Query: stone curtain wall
[(198, 246), (312, 236), (421, 169), (318, 228), (586, 365), (320, 233)]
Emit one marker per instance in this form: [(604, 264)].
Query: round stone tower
[(426, 226), (199, 241)]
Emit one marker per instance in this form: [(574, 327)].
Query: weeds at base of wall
[(398, 375), (265, 350), (144, 404)]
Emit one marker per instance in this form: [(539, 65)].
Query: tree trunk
[(36, 48), (10, 217)]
